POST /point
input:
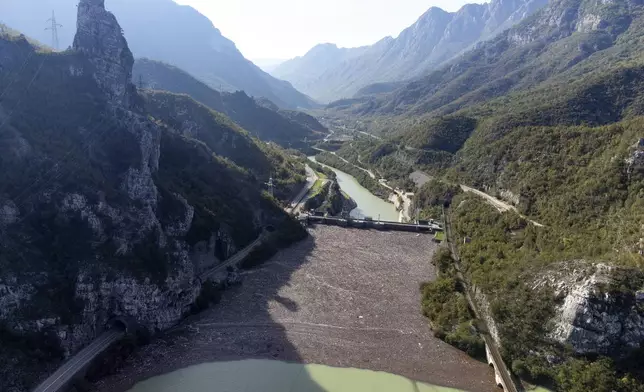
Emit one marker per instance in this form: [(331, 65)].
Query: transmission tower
[(141, 82), (54, 30)]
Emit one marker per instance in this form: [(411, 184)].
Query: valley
[(174, 218), (342, 297)]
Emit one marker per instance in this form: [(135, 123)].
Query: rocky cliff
[(330, 199), (100, 38), (166, 31), (108, 208), (596, 313)]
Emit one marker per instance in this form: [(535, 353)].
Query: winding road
[(296, 203), (64, 375)]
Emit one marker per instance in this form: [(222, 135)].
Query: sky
[(283, 29)]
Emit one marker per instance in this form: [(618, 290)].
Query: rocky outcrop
[(119, 215), (100, 38), (635, 162), (592, 317), (330, 200)]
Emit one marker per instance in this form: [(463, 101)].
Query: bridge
[(63, 378), (371, 224)]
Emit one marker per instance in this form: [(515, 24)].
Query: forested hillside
[(262, 119), (548, 117), (112, 201)]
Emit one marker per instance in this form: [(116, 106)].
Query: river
[(276, 376), (369, 205)]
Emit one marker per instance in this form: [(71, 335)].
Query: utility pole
[(54, 31), (271, 185)]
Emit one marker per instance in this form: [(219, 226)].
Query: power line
[(54, 30)]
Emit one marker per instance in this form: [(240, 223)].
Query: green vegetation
[(288, 128), (360, 175), (440, 133), (78, 173), (503, 256), (444, 303), (546, 117), (317, 188), (329, 199), (433, 197)]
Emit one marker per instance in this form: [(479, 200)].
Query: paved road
[(344, 160), (421, 178), (61, 378), (311, 178), (498, 204), (233, 260)]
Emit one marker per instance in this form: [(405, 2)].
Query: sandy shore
[(343, 297)]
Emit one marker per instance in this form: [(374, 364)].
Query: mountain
[(329, 73), (182, 37), (268, 65), (304, 72), (113, 200), (549, 117), (271, 124), (555, 58)]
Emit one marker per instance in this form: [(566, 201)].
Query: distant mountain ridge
[(166, 31), (260, 117), (329, 73)]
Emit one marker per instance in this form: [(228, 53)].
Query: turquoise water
[(274, 376), (369, 205)]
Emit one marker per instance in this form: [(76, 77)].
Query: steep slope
[(105, 208), (564, 43), (328, 73), (547, 116), (191, 43), (266, 121)]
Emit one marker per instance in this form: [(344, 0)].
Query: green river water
[(275, 376), (369, 205)]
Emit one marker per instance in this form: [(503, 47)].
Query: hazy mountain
[(328, 73), (268, 65), (163, 30), (267, 122), (567, 47)]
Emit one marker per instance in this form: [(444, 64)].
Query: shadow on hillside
[(239, 327)]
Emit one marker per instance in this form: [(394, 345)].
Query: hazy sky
[(282, 29)]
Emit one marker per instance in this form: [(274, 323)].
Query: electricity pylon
[(54, 31)]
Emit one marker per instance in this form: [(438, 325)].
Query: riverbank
[(369, 205), (343, 298)]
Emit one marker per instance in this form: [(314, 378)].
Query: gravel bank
[(343, 297)]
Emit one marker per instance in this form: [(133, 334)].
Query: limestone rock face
[(591, 319), (100, 37)]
